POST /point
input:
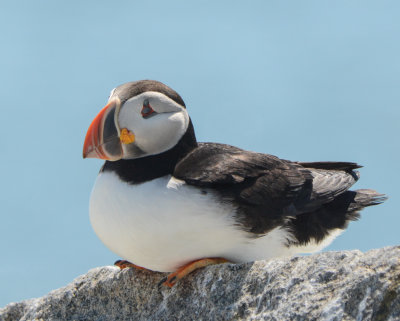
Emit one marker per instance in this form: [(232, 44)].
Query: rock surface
[(347, 285)]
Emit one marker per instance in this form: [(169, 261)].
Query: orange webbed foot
[(174, 277), (122, 264)]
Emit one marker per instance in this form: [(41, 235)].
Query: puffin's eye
[(147, 111)]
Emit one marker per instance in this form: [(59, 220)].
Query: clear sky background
[(303, 80)]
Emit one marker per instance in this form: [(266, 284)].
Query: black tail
[(333, 215), (364, 198)]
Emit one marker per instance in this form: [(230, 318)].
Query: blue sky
[(303, 80)]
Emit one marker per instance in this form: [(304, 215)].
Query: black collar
[(135, 171)]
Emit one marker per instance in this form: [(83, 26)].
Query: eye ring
[(147, 110)]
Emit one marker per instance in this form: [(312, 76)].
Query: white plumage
[(163, 224)]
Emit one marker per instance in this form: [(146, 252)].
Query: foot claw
[(171, 280), (163, 280), (123, 264)]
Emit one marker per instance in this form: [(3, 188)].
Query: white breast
[(163, 224)]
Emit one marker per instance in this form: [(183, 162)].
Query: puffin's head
[(141, 118)]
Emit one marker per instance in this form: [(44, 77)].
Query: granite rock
[(348, 285)]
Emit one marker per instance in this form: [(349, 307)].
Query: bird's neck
[(144, 169)]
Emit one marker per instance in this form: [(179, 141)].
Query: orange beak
[(102, 138)]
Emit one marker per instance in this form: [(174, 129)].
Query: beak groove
[(102, 138)]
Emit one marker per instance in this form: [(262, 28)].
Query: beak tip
[(91, 154), (87, 151)]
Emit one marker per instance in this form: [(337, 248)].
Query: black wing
[(266, 190)]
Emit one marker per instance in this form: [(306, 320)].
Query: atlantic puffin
[(165, 202)]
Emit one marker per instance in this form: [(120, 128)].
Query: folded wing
[(267, 191)]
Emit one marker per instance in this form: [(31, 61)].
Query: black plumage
[(139, 170), (271, 192), (134, 88)]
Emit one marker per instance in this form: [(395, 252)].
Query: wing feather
[(266, 190)]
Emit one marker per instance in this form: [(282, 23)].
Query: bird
[(165, 202)]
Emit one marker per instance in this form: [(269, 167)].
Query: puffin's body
[(163, 200)]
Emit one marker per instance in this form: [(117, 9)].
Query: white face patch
[(157, 133)]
